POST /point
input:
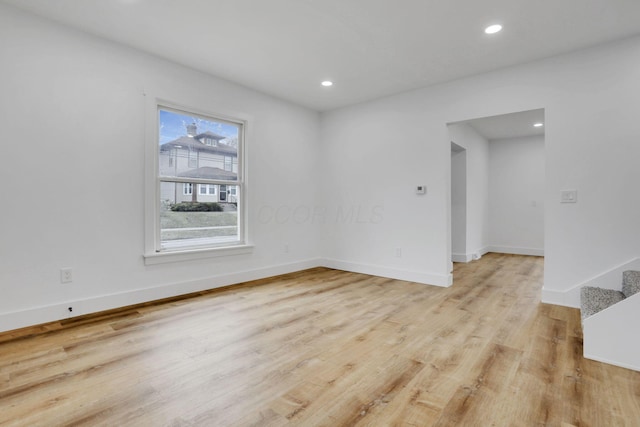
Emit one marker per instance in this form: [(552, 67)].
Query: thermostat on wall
[(421, 189)]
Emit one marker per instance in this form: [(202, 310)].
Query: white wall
[(341, 188), (477, 148), (374, 155), (459, 205), (385, 147), (72, 131), (516, 196)]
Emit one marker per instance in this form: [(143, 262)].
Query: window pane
[(232, 190), (223, 193), (200, 148), (187, 189), (202, 209), (185, 223)]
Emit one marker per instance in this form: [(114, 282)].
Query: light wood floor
[(323, 347)]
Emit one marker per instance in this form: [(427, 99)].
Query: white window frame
[(209, 189), (154, 253), (187, 189), (228, 163)]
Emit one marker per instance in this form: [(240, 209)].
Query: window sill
[(195, 254)]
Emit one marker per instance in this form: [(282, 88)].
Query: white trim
[(610, 279), (152, 105), (471, 256), (194, 254), (612, 362), (515, 250), (207, 188), (461, 257), (443, 280), (558, 298), (53, 312), (151, 166), (50, 313), (483, 251)]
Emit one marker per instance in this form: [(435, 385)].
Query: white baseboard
[(610, 279), (443, 280), (470, 256), (58, 311), (559, 297), (461, 257), (483, 251), (515, 250), (631, 366)]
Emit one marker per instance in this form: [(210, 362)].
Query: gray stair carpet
[(593, 300), (630, 282)]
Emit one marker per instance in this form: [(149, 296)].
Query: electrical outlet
[(286, 248), (399, 252), (66, 275)]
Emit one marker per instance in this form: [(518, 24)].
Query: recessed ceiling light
[(538, 125), (492, 29), (327, 83)]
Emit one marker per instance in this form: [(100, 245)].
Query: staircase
[(609, 317)]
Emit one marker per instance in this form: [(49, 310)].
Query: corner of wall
[(392, 273)]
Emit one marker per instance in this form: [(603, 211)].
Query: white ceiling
[(369, 48), (514, 125)]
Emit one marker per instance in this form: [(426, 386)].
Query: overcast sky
[(172, 126)]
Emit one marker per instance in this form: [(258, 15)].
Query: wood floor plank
[(323, 347)]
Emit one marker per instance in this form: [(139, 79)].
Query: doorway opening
[(497, 185)]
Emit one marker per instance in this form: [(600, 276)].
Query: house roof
[(210, 134), (188, 142), (207, 172)]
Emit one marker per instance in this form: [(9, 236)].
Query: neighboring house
[(199, 155)]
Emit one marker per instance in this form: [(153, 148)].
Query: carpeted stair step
[(630, 283), (593, 300)]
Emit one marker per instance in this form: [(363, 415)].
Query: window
[(187, 189), (232, 194), (207, 189), (183, 215), (193, 158)]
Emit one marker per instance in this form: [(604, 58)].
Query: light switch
[(568, 196), (421, 189)]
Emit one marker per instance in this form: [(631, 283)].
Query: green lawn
[(169, 219), (171, 224)]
